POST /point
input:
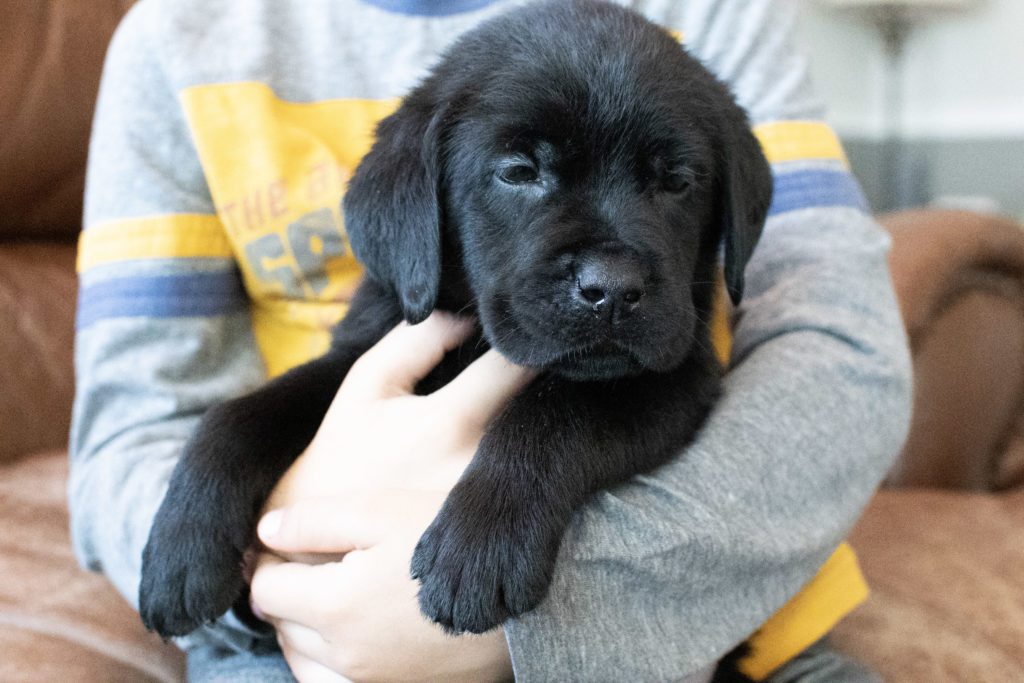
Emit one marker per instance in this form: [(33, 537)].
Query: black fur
[(567, 173), (728, 669)]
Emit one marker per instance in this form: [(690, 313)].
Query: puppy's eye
[(518, 172), (675, 181)]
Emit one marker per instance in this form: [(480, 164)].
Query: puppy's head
[(570, 172)]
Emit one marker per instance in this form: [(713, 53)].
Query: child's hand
[(370, 483), (378, 434), (358, 619)]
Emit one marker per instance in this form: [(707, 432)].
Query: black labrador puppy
[(567, 173)]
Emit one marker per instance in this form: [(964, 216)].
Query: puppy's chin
[(596, 365), (579, 360)]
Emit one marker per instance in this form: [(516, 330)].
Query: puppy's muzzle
[(611, 285)]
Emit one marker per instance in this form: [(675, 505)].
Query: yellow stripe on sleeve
[(157, 237), (799, 141), (721, 322), (835, 591)]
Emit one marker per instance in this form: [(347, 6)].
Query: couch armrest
[(960, 280), (38, 288), (52, 54)]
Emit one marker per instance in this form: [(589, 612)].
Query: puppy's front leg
[(192, 562), (490, 552)]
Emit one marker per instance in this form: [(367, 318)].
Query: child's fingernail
[(270, 524)]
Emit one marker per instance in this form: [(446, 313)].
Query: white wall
[(846, 64), (963, 71)]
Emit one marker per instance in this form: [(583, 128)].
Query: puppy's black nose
[(611, 285)]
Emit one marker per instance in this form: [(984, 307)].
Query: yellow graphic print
[(277, 171)]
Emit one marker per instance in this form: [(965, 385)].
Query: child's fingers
[(482, 389), (348, 521), (303, 649), (321, 525), (405, 355), (284, 590)]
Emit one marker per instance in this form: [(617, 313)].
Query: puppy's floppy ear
[(392, 208), (747, 195)]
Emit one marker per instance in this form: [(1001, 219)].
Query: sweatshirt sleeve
[(163, 327), (659, 577)]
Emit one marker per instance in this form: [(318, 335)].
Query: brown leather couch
[(943, 547)]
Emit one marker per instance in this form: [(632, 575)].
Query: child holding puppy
[(213, 254)]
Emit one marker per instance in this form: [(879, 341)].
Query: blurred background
[(928, 97)]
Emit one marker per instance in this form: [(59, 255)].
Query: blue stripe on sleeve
[(163, 296), (816, 188), (429, 8)]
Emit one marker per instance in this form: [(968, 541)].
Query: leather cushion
[(959, 277), (52, 54), (58, 623), (37, 313), (946, 571)]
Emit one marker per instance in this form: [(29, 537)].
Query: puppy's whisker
[(701, 343), (465, 308)]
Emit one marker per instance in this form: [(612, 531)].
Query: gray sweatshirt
[(214, 254)]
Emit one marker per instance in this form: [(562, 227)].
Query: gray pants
[(819, 663)]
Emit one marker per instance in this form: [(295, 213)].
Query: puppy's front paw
[(480, 563), (191, 574)]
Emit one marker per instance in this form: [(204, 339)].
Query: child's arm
[(659, 578), (163, 323)]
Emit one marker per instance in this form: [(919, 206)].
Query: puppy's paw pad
[(474, 577), (187, 582)]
